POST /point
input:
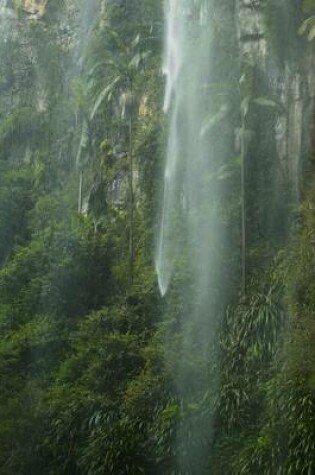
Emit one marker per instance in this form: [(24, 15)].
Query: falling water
[(192, 185), (192, 234), (87, 20)]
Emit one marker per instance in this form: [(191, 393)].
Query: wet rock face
[(285, 81), (8, 20), (23, 53)]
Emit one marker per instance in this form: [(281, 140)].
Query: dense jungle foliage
[(88, 347)]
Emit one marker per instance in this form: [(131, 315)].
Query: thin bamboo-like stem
[(80, 191), (243, 206), (131, 192)]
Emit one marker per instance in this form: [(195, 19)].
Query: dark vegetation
[(86, 387)]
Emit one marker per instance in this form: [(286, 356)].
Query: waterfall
[(192, 184), (192, 234), (87, 19)]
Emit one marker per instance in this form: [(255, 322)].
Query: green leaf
[(265, 102), (245, 106), (136, 41), (105, 93)]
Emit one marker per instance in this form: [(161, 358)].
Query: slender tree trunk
[(243, 207), (243, 154), (80, 191), (131, 193)]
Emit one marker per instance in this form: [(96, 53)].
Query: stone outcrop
[(36, 8), (287, 82)]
